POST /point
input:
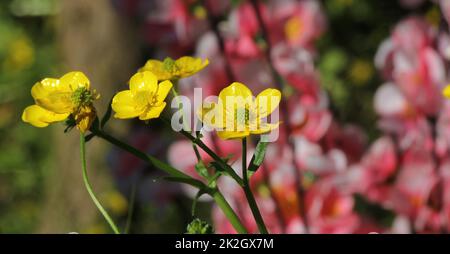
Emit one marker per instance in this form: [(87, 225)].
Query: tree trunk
[(95, 40)]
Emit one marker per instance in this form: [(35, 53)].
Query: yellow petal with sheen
[(211, 115), (157, 68), (188, 66), (152, 112), (236, 89), (75, 80), (40, 117), (226, 135), (265, 128), (163, 89), (233, 98), (53, 95), (144, 82), (267, 101), (125, 105)]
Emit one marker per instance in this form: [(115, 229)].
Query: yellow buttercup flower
[(59, 99), (170, 69), (145, 99), (237, 114)]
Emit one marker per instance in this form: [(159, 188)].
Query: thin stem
[(211, 153), (89, 187), (229, 213), (131, 208), (244, 161), (215, 193), (218, 197), (248, 193), (143, 156)]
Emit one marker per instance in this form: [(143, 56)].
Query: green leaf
[(106, 116), (87, 138), (95, 124), (258, 157), (260, 152), (70, 124)]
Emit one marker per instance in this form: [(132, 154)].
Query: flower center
[(242, 116), (153, 99), (83, 97), (169, 65)]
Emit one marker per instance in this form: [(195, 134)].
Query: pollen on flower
[(242, 116), (84, 97)]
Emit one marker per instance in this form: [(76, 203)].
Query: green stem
[(228, 211), (215, 193), (248, 193), (213, 155), (197, 141), (89, 187), (218, 197), (131, 208), (143, 156)]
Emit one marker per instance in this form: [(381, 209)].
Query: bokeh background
[(363, 81)]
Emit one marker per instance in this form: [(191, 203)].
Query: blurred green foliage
[(346, 55), (27, 54)]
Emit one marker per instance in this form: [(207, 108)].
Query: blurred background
[(362, 80)]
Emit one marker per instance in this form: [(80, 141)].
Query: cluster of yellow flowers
[(70, 98)]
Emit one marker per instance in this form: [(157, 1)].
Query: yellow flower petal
[(446, 91), (53, 95), (144, 82), (170, 69), (233, 97), (157, 68), (40, 117), (267, 101), (234, 90), (226, 135), (187, 66), (126, 106), (163, 89), (75, 80), (265, 128), (211, 115), (152, 112), (85, 118)]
